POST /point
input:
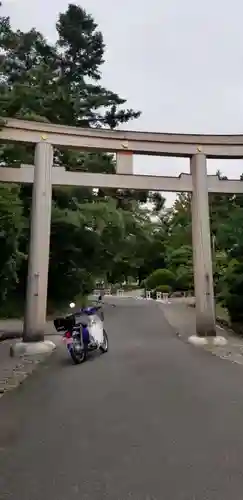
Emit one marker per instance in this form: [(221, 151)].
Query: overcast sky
[(178, 61)]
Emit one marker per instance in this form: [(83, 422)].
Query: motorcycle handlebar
[(89, 310)]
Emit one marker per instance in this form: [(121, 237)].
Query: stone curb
[(221, 322), (232, 352), (19, 369), (10, 335)]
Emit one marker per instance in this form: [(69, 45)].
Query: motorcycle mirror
[(72, 305)]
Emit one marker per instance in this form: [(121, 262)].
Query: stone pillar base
[(202, 341), (31, 348)]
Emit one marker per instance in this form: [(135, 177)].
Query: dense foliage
[(96, 234)]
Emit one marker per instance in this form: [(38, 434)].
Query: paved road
[(155, 419)]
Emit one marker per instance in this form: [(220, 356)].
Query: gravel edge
[(14, 373)]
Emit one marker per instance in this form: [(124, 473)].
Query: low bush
[(158, 278)]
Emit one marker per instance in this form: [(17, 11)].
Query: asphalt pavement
[(154, 419)]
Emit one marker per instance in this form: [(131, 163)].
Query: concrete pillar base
[(31, 348), (219, 341), (202, 341), (198, 341)]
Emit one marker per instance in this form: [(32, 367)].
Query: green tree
[(230, 267), (61, 83), (180, 232), (180, 262), (232, 290), (11, 226)]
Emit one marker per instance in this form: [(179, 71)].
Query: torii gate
[(124, 143)]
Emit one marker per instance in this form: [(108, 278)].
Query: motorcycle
[(83, 332)]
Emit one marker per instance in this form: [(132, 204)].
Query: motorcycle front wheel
[(78, 357), (105, 345)]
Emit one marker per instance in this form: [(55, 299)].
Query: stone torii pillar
[(202, 253), (38, 262)]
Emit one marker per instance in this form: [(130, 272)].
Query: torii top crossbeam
[(125, 144), (146, 143)]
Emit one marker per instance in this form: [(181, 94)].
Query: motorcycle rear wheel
[(78, 357), (105, 345)]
